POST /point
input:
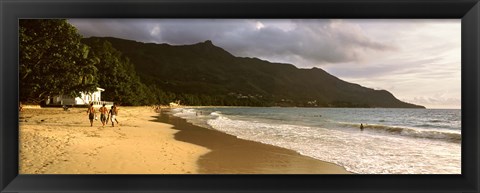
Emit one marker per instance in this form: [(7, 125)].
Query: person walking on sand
[(91, 114), (103, 114), (115, 107), (361, 127), (113, 114)]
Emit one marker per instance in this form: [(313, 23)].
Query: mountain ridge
[(204, 69)]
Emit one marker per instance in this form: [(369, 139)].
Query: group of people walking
[(105, 114)]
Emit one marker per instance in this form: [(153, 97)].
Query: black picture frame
[(466, 10)]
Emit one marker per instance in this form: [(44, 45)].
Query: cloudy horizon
[(416, 60)]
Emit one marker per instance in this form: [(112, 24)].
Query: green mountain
[(214, 76)]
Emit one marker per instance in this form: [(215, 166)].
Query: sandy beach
[(53, 141)]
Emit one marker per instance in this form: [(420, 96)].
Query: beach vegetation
[(53, 61)]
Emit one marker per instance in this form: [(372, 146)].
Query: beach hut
[(83, 99)]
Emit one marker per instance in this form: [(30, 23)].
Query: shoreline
[(54, 141), (231, 155)]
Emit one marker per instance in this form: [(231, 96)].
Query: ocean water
[(394, 141)]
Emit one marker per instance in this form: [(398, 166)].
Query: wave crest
[(412, 132)]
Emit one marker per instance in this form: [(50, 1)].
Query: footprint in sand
[(98, 148)]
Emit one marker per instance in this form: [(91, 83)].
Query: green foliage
[(53, 61), (117, 75)]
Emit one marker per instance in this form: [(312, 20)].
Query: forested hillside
[(205, 74), (56, 60)]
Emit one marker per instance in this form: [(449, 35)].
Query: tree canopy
[(53, 61)]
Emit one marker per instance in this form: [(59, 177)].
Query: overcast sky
[(417, 60)]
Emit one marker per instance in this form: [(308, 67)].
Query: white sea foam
[(183, 112), (192, 116), (216, 113), (375, 151), (359, 153)]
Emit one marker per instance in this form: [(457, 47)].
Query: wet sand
[(231, 155)]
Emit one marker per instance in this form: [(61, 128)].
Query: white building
[(84, 99)]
